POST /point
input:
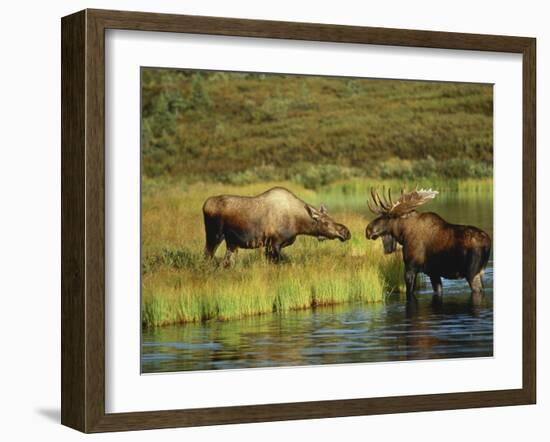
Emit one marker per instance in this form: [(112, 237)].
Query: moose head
[(389, 213), (325, 227)]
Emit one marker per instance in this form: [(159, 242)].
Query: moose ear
[(312, 212), (323, 209)]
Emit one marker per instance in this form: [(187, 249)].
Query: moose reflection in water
[(430, 244), (272, 220)]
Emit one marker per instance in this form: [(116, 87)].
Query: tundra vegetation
[(328, 140)]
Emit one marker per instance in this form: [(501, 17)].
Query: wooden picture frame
[(83, 220)]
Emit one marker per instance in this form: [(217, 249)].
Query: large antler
[(380, 206), (411, 200), (405, 204)]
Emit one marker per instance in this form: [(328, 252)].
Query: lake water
[(455, 327)]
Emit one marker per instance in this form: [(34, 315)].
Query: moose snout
[(344, 233), (370, 234)]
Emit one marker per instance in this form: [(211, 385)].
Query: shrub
[(221, 124), (315, 176)]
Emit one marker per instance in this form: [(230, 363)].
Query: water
[(455, 327)]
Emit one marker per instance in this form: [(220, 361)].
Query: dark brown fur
[(434, 247), (272, 220)]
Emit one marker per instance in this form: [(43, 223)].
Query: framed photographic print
[(268, 220)]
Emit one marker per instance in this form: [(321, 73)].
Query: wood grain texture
[(143, 21), (95, 221), (83, 220), (308, 410), (529, 220), (73, 129)]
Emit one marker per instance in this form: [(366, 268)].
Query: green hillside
[(242, 128)]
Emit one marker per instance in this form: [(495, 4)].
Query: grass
[(257, 288), (179, 286)]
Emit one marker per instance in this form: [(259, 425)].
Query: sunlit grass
[(179, 285), (254, 286)]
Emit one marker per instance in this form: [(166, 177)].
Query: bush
[(199, 99), (175, 258), (254, 175), (465, 168), (272, 109), (396, 168), (315, 176), (425, 168)]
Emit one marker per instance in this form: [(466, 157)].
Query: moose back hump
[(272, 220)]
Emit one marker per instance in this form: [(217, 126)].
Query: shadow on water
[(453, 326)]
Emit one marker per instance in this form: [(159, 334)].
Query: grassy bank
[(178, 285), (174, 296)]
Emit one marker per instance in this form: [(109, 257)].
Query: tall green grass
[(253, 288)]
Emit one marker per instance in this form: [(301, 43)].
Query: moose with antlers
[(430, 244)]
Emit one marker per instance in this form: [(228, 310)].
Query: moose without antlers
[(272, 220), (430, 244)]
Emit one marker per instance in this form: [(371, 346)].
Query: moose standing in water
[(430, 244), (272, 220)]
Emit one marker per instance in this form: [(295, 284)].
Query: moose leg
[(436, 285), (477, 289), (228, 259), (474, 273), (273, 252), (410, 283), (211, 246), (214, 236), (475, 283)]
